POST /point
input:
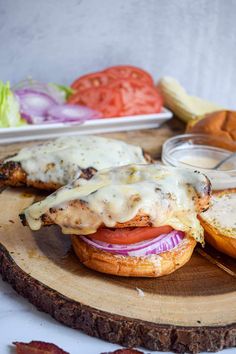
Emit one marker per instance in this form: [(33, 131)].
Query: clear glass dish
[(202, 152)]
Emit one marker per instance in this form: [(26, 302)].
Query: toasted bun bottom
[(222, 243), (151, 266)]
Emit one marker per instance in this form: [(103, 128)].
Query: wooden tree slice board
[(192, 309)]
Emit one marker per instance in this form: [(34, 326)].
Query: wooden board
[(192, 309)]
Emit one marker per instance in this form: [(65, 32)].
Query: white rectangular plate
[(47, 131)]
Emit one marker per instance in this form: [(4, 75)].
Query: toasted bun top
[(220, 124), (221, 214)]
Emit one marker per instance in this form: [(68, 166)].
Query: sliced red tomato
[(127, 236), (137, 97), (118, 91), (89, 81), (129, 72), (103, 99)]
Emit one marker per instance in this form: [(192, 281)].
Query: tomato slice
[(102, 78), (117, 91), (103, 99), (129, 72), (137, 97), (127, 236), (97, 79)]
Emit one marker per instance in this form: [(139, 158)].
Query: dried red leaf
[(125, 351), (38, 347)]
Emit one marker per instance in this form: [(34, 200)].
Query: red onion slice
[(43, 103), (158, 245), (34, 105), (36, 86), (71, 113)]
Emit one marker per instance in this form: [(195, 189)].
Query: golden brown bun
[(220, 124), (217, 236), (152, 266)]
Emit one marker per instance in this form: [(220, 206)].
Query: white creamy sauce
[(205, 157), (222, 213), (60, 161), (119, 194), (200, 161), (204, 160)]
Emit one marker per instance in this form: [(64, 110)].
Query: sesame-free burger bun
[(221, 125), (219, 222), (148, 266), (224, 244)]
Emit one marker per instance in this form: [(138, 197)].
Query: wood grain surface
[(190, 310)]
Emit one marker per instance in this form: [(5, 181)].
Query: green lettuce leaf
[(9, 108), (66, 90)]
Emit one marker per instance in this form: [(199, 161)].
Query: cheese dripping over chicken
[(63, 159), (169, 196)]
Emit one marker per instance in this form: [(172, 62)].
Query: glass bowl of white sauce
[(202, 152)]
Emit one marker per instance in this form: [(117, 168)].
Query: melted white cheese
[(222, 213), (60, 161), (119, 194)]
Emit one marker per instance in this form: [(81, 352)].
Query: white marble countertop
[(20, 321)]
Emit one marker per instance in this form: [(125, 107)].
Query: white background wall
[(58, 40)]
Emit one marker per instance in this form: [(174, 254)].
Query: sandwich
[(53, 164), (219, 222), (134, 220)]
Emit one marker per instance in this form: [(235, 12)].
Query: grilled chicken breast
[(51, 165), (128, 196)]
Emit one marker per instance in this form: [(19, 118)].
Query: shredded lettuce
[(9, 108)]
